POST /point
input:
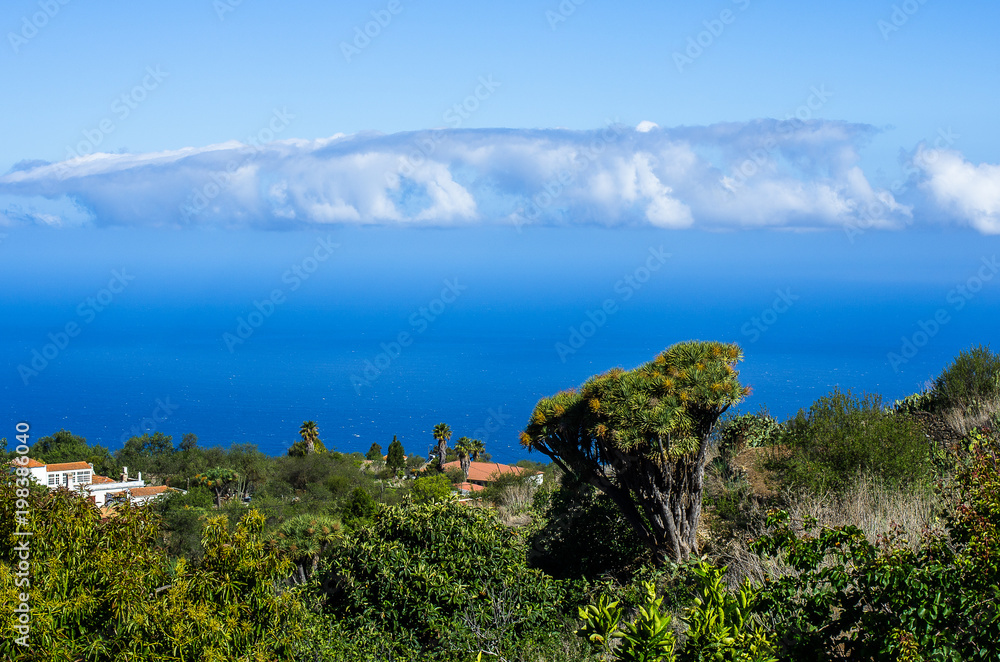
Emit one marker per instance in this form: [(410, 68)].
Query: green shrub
[(648, 637), (851, 599), (747, 431), (923, 401), (973, 378), (842, 436), (584, 534), (967, 393), (431, 489), (722, 625), (441, 577), (360, 507)]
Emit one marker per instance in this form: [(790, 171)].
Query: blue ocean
[(393, 335)]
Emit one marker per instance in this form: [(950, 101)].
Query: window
[(53, 480), (82, 477)]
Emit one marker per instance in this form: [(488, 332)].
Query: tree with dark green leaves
[(150, 453), (442, 434), (395, 458), (64, 446), (374, 452), (220, 480), (641, 436), (189, 442)]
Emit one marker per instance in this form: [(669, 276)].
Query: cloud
[(971, 192), (763, 173)]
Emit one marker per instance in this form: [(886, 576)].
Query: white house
[(81, 476)]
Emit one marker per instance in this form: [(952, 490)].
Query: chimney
[(140, 477), (124, 474)]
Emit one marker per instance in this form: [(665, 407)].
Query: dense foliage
[(842, 436), (321, 556), (440, 577), (101, 589), (851, 598)]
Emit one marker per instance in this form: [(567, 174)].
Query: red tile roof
[(485, 471), (31, 464), (151, 490), (98, 480), (67, 466), (470, 487)]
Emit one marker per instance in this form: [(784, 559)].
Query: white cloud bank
[(763, 173), (970, 192)]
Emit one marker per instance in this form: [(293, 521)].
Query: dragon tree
[(641, 436)]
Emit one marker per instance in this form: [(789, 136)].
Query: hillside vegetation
[(667, 527)]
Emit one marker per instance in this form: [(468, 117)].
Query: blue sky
[(536, 150), (889, 108)]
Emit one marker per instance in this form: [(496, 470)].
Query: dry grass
[(964, 419), (868, 504), (513, 498)]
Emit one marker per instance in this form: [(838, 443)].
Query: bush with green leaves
[(747, 431), (972, 378), (923, 401), (182, 517), (843, 436), (583, 534), (432, 488), (442, 580), (721, 625), (967, 393), (648, 637)]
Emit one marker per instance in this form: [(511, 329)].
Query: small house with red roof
[(482, 474)]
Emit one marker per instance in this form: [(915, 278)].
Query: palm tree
[(477, 449), (310, 435), (442, 434), (464, 449), (468, 450)]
